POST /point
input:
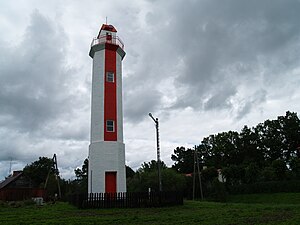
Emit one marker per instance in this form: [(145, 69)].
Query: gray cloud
[(245, 106), (221, 99), (39, 111), (220, 46), (33, 76), (140, 103)]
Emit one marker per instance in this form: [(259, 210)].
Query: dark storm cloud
[(219, 100), (220, 45), (228, 33), (33, 78)]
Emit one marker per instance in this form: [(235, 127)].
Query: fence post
[(126, 200)]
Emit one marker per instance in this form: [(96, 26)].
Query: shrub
[(295, 167), (268, 174), (2, 203), (218, 192), (29, 202), (280, 169), (251, 173), (266, 187), (15, 204)]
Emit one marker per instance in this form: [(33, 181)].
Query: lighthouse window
[(110, 125), (110, 77)]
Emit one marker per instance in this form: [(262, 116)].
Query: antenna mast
[(10, 165)]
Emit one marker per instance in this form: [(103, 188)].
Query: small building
[(221, 176), (18, 187)]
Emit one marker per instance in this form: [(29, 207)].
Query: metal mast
[(158, 150)]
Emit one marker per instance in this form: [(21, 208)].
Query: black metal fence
[(126, 199)]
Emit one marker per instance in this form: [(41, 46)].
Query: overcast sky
[(200, 66)]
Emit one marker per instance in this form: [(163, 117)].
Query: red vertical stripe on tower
[(110, 93)]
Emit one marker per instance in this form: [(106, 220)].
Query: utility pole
[(55, 168), (158, 149), (196, 161), (194, 176)]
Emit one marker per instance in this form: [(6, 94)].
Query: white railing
[(115, 40)]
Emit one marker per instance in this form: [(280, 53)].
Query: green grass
[(242, 209)]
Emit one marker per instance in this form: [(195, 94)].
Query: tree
[(41, 170), (252, 173), (295, 167), (129, 172), (290, 129), (208, 175), (172, 181), (218, 191), (147, 177), (248, 147), (82, 173), (184, 160), (130, 178), (270, 140), (280, 169), (80, 185), (151, 166), (268, 174), (38, 170), (235, 174), (220, 150)]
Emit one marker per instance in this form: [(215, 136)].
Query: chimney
[(17, 172)]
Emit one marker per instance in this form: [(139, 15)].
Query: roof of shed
[(8, 180)]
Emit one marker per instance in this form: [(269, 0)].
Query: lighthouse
[(106, 172)]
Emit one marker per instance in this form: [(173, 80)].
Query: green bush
[(268, 174), (280, 169), (266, 187), (295, 167), (29, 202), (218, 192), (2, 203), (15, 204)]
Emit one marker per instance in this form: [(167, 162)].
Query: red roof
[(108, 28)]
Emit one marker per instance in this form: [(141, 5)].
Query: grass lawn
[(283, 208)]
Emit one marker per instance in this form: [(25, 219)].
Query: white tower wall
[(97, 113)]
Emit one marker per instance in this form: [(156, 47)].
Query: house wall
[(19, 194)]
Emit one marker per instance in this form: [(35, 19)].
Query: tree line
[(270, 151)]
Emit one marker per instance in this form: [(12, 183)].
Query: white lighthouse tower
[(106, 171)]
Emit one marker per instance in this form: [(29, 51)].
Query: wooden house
[(18, 187)]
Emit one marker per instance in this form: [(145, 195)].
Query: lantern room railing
[(115, 40)]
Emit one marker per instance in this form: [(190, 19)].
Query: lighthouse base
[(106, 167)]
